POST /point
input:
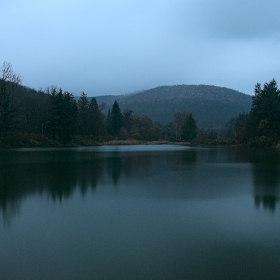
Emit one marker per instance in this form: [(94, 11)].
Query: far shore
[(84, 142), (139, 142), (56, 144)]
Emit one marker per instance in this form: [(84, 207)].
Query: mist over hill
[(212, 106)]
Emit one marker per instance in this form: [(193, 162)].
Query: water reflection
[(139, 213), (169, 172), (266, 174), (58, 173)]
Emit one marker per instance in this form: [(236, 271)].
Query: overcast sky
[(122, 46)]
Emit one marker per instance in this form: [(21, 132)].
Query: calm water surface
[(139, 212)]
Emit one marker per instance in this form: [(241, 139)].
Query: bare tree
[(9, 82), (7, 73)]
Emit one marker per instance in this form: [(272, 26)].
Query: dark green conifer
[(189, 130), (116, 119)]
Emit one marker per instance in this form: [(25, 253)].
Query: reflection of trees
[(114, 164), (266, 178), (9, 203), (268, 202), (186, 157), (61, 179), (58, 173), (9, 210)]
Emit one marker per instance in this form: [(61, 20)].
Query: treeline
[(56, 118), (53, 117), (261, 126)]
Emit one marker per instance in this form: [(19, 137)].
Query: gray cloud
[(115, 47), (239, 19)]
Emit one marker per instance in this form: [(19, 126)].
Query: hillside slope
[(211, 105)]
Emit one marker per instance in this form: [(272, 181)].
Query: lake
[(139, 212)]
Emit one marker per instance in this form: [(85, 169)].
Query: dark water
[(139, 212)]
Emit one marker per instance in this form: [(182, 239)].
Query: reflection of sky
[(147, 171), (167, 212), (120, 237), (197, 182), (188, 180)]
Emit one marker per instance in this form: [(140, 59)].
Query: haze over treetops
[(212, 106)]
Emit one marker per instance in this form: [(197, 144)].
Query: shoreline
[(139, 142), (48, 143), (114, 142)]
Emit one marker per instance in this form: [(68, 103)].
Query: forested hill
[(211, 105)]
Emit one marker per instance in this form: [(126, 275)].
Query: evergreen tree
[(109, 122), (127, 119), (265, 111), (125, 131), (189, 130), (96, 121), (180, 119), (33, 113), (62, 115), (70, 118), (83, 115), (116, 119)]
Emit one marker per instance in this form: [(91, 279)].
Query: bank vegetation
[(53, 117)]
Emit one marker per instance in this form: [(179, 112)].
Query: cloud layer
[(116, 47)]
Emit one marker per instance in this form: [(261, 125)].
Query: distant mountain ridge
[(212, 106)]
